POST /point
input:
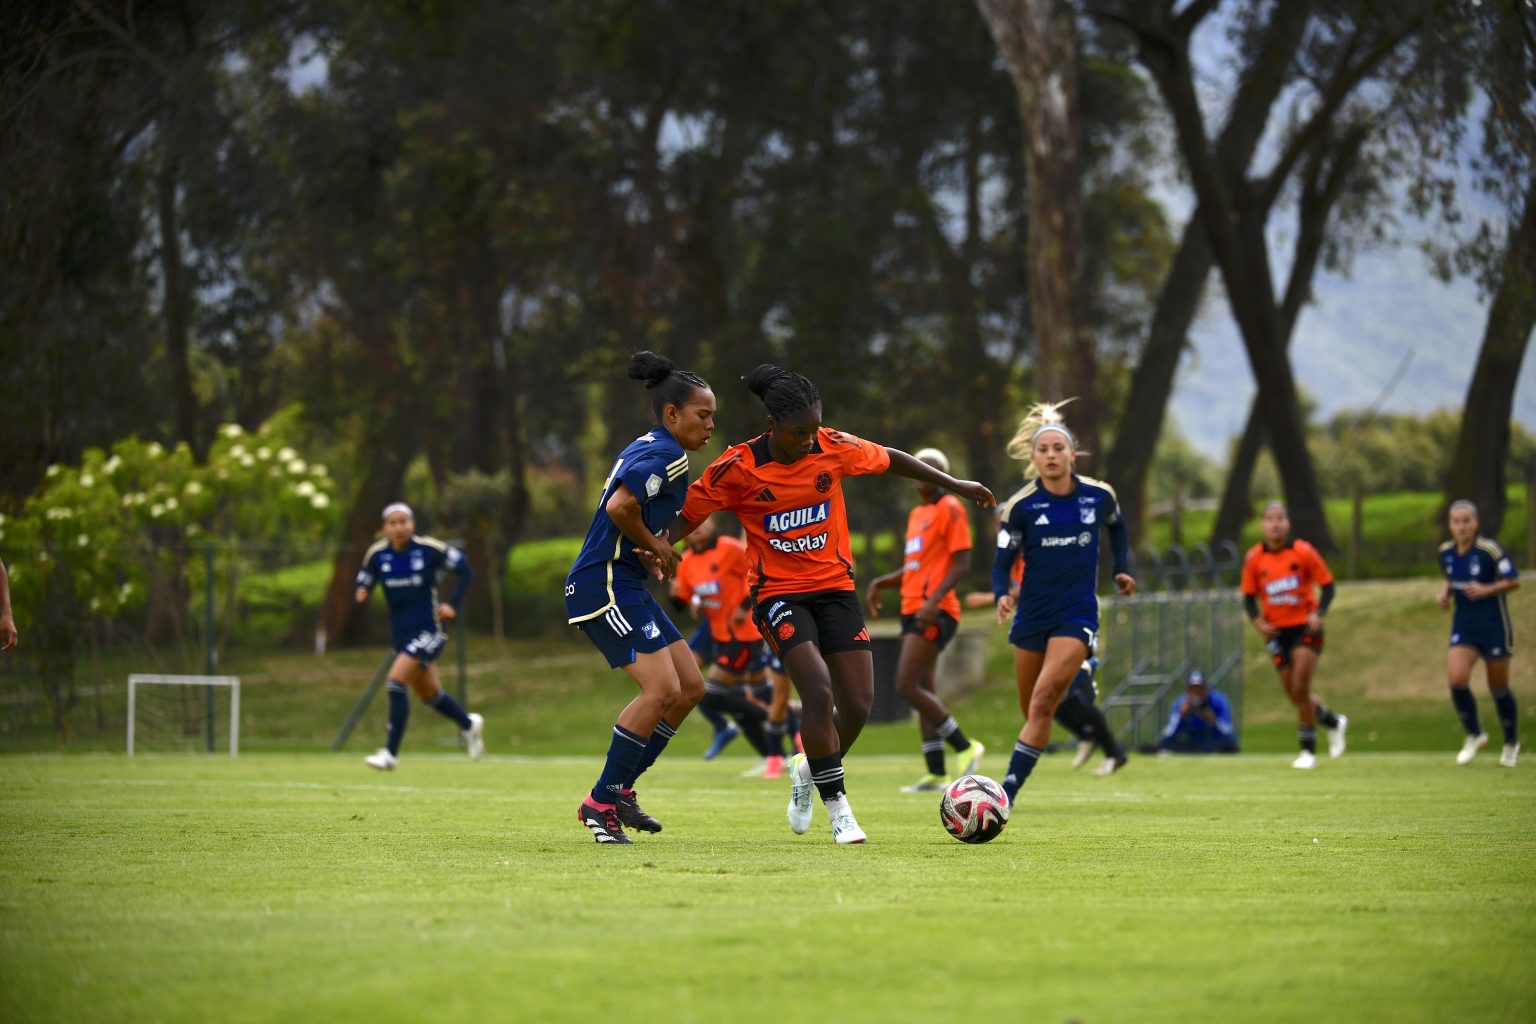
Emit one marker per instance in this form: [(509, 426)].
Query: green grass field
[(300, 888), (293, 884)]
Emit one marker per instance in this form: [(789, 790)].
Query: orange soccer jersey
[(793, 515), (935, 531), (719, 576), (1285, 581)]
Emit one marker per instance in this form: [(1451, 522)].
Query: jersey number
[(612, 473)]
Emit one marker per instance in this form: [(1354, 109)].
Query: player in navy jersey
[(1477, 576), (606, 595), (1053, 522), (406, 566)]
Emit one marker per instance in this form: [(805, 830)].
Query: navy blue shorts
[(424, 646), (1493, 641), (635, 626), (941, 632), (1033, 636)]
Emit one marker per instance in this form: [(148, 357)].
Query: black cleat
[(628, 809), (604, 825)]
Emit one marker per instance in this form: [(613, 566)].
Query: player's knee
[(816, 696)]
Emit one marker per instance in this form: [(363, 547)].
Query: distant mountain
[(1349, 343)]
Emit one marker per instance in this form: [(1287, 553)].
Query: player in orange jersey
[(1280, 578), (785, 487), (938, 547)]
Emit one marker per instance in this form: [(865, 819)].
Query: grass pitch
[(303, 888)]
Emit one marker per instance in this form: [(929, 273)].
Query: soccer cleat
[(929, 783), (722, 738), (383, 760), (844, 829), (969, 758), (1336, 737), (1470, 748), (604, 825), (627, 807), (474, 736), (799, 811), (1085, 750), (1306, 759), (773, 768), (1511, 755), (1111, 765)]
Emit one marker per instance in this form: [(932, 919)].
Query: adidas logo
[(766, 495), (1044, 520)]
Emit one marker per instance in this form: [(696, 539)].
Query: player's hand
[(1266, 630), (872, 601), (447, 612), (976, 492), (927, 615), (979, 599), (360, 594), (1314, 623), (1005, 605), (1478, 591), (661, 560), (7, 633), (1443, 599), (1126, 583)]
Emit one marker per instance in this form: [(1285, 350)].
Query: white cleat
[(1085, 749), (1305, 760), (1111, 765), (844, 829), (1511, 755), (383, 760), (1336, 737), (800, 790), (1470, 748), (474, 737)]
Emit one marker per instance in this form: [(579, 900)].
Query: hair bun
[(649, 367), (761, 378)]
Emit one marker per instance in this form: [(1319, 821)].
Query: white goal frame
[(233, 682)]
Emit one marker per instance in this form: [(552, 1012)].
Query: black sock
[(399, 714), (1308, 736), (949, 730), (1504, 703), (933, 756), (1325, 717), (1097, 727), (1466, 709), (827, 774)]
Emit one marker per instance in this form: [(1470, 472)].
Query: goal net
[(183, 714)]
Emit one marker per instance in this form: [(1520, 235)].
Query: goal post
[(138, 680)]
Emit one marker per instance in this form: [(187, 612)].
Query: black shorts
[(831, 619), (738, 657), (1288, 639), (941, 632)]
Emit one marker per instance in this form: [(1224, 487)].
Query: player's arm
[(7, 621), (366, 578), (906, 465), (1508, 579), (1120, 548), (657, 552), (872, 592), (959, 561), (1010, 541), (455, 562)]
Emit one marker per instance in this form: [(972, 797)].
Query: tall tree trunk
[(175, 302), (1038, 39), (1482, 448)]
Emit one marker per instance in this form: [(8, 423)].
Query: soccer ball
[(974, 809)]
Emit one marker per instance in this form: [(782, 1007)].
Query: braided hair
[(667, 384), (781, 391)]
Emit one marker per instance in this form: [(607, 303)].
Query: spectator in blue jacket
[(1202, 722)]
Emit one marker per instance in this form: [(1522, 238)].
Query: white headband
[(397, 506), (1063, 431), (934, 456)]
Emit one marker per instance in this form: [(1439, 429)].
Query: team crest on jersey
[(417, 564), (652, 486), (1088, 514), (795, 518), (823, 482)]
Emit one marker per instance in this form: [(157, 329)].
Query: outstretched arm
[(7, 621), (916, 469)]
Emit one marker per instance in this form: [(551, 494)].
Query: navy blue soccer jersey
[(1058, 537), (1483, 562), (409, 579), (655, 469)]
